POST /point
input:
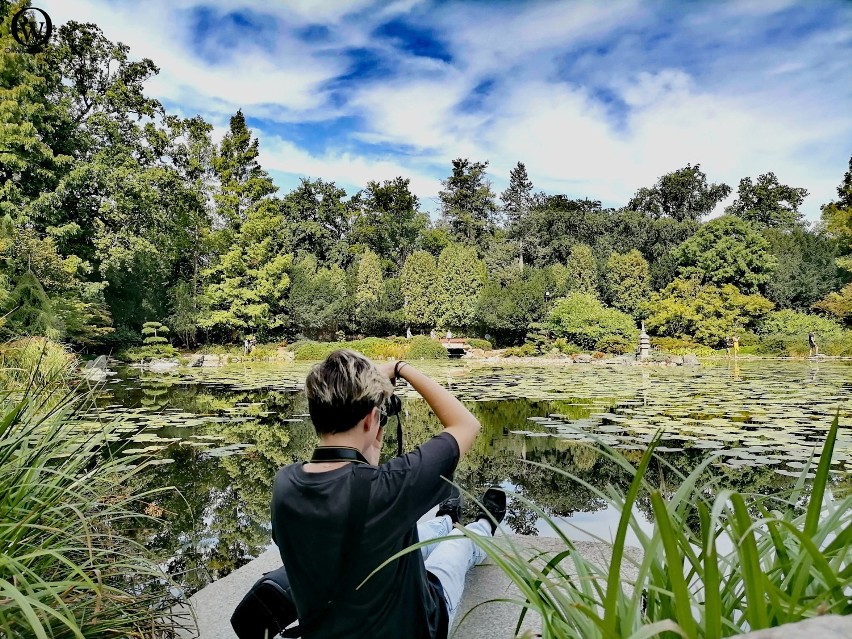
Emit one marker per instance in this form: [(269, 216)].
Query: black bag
[(268, 608)]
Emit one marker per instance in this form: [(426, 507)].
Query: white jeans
[(450, 560)]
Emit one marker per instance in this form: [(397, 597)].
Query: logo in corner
[(32, 28)]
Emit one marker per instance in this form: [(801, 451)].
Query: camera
[(391, 407)]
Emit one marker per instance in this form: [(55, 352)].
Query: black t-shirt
[(309, 513)]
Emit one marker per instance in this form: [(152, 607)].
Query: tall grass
[(68, 566), (789, 559)]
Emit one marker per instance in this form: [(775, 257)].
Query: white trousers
[(450, 560)]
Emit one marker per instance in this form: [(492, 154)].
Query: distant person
[(814, 350), (408, 332), (449, 335), (729, 343), (245, 346), (487, 337), (736, 345), (432, 334)]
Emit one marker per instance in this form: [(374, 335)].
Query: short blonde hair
[(342, 389)]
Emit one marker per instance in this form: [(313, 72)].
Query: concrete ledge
[(214, 604)]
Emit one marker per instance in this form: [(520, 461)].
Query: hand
[(386, 368)]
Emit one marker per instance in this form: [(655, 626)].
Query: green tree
[(387, 219), (319, 220), (768, 203), (806, 270), (556, 223), (683, 195), (368, 290), (154, 332), (583, 269), (467, 202), (581, 318), (727, 250), (838, 304), (242, 181), (459, 277), (517, 200), (689, 309), (507, 309), (418, 289), (435, 238), (626, 281), (837, 220), (318, 303)]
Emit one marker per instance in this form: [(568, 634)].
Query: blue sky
[(596, 98)]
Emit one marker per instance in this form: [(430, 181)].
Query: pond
[(220, 435)]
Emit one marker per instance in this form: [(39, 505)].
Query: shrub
[(69, 568), (315, 350), (797, 324), (372, 347), (526, 350), (840, 345), (678, 346), (566, 347), (147, 353), (475, 342), (34, 359), (422, 347), (581, 318), (615, 345)]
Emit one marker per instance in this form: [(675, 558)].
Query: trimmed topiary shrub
[(582, 318), (422, 347), (526, 350), (475, 342)]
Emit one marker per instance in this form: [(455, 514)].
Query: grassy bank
[(69, 566)]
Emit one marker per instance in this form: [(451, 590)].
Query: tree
[(681, 195), (582, 319), (508, 309), (417, 280), (369, 288), (727, 250), (837, 220), (318, 303), (242, 181), (319, 220), (556, 223), (690, 309), (153, 332), (459, 277), (626, 279), (583, 269), (517, 200), (387, 219), (806, 269), (768, 203), (467, 202), (838, 304)]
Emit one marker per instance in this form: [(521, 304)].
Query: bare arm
[(457, 420)]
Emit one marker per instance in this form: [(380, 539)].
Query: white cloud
[(767, 107)]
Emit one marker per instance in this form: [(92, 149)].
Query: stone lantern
[(644, 343)]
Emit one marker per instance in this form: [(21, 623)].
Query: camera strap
[(347, 579), (338, 454)]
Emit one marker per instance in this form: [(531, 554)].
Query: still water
[(220, 435)]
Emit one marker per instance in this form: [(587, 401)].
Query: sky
[(597, 99)]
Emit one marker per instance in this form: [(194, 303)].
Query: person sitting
[(416, 595)]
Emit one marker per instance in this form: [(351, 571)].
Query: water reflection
[(235, 429)]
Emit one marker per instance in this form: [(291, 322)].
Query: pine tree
[(517, 200), (369, 288), (460, 276), (419, 291), (467, 202)]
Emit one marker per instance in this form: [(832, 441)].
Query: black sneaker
[(451, 506), (494, 501)]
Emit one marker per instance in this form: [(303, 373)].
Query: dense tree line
[(114, 213)]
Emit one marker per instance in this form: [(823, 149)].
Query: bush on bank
[(68, 567), (419, 347)]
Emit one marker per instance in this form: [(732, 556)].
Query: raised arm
[(457, 420)]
